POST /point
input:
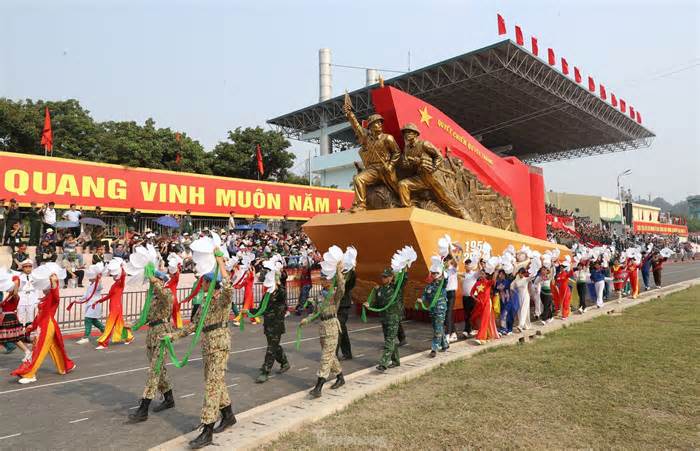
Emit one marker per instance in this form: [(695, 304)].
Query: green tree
[(236, 157)]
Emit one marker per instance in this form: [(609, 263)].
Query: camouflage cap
[(387, 273), (410, 127), (374, 118)]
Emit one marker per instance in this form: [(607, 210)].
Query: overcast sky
[(205, 67)]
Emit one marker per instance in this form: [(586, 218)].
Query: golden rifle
[(347, 103)]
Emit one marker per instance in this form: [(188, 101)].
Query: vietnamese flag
[(603, 93), (261, 168), (519, 35), (591, 84), (501, 25), (639, 117), (623, 106), (613, 100), (550, 55), (47, 133), (564, 66), (535, 48), (577, 75), (632, 112)]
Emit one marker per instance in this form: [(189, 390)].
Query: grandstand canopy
[(509, 99)]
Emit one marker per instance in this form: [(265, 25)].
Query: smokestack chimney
[(325, 91), (372, 77)]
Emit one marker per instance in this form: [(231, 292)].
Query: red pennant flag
[(261, 168), (519, 36), (550, 56), (632, 112), (613, 99), (577, 75), (603, 93), (47, 133), (501, 25), (639, 118), (623, 106), (535, 48), (564, 66), (591, 84)]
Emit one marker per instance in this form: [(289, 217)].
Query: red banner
[(659, 228), (30, 178), (562, 222)]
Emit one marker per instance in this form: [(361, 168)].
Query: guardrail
[(132, 303)]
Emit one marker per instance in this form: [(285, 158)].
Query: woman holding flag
[(114, 330)]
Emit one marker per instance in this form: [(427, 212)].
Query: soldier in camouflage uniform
[(391, 317), (158, 326), (273, 326), (329, 329), (343, 315), (216, 344), (437, 312)]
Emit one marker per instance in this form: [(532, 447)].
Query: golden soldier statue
[(423, 159), (379, 153)]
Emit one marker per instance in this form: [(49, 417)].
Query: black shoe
[(168, 402), (339, 381), (228, 419), (403, 342), (284, 368), (381, 368), (433, 354), (141, 413), (393, 365), (316, 392), (345, 357), (204, 438)]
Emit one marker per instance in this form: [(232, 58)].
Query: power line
[(365, 68)]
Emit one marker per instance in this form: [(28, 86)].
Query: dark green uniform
[(344, 314), (34, 226), (274, 328), (391, 317)]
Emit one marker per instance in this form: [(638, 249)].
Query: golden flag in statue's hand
[(347, 103)]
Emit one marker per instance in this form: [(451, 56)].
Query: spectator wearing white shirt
[(73, 215), (48, 216), (232, 220), (451, 291), (28, 297), (469, 278)]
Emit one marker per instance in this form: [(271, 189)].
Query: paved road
[(88, 408)]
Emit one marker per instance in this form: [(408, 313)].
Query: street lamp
[(619, 196)]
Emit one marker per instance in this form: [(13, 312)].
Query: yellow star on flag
[(424, 116)]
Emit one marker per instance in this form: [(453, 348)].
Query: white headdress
[(95, 270), (274, 266), (114, 267), (666, 252), (40, 275), (138, 261), (331, 258), (349, 259), (403, 259), (174, 261), (203, 254), (444, 246), (6, 283), (436, 265)]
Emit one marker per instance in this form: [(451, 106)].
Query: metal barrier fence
[(132, 303)]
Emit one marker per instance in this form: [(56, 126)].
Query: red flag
[(178, 158), (501, 25), (577, 75), (550, 56), (639, 117), (603, 93), (47, 133), (564, 66), (632, 112), (613, 99), (623, 106), (519, 36), (591, 84), (535, 49), (261, 168)]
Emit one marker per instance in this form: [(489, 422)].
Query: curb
[(265, 423)]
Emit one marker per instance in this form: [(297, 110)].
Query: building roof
[(503, 95)]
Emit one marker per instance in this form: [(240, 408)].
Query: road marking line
[(114, 373), (86, 411), (359, 356), (135, 407), (10, 436), (187, 396), (232, 385), (302, 369), (79, 420)]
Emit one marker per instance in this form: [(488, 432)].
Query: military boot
[(228, 419), (141, 413), (316, 392), (339, 381), (284, 368), (205, 438), (168, 402), (262, 377)]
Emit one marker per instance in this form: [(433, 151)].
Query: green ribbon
[(420, 306), (148, 272), (394, 297), (166, 342), (312, 318), (262, 308)]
